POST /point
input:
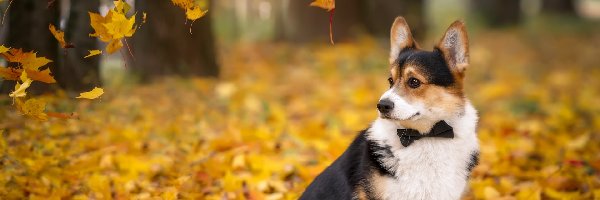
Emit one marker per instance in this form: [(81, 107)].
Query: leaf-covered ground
[(281, 113)]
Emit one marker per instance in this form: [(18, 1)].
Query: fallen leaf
[(95, 93)]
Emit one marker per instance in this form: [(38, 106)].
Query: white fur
[(402, 109), (430, 168)]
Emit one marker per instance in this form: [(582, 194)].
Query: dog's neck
[(384, 131)]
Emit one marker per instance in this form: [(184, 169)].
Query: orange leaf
[(60, 36), (42, 76), (8, 73), (325, 4)]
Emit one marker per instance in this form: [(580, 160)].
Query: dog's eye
[(391, 81), (413, 83)]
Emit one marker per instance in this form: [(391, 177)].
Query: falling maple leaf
[(193, 9), (33, 108), (95, 93), (60, 36), (27, 61), (114, 46), (3, 49), (93, 53), (195, 13), (21, 87), (325, 4), (114, 26)]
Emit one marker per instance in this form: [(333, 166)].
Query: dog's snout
[(385, 106)]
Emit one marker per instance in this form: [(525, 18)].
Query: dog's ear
[(455, 46), (400, 38)]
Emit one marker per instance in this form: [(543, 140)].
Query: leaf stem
[(6, 11)]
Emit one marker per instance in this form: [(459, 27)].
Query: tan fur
[(361, 194), (429, 95), (377, 184)]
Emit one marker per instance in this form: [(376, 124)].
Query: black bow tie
[(440, 129)]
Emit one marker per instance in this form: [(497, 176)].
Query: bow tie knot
[(440, 129)]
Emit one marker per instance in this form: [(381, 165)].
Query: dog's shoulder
[(346, 175)]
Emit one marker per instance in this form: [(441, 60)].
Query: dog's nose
[(385, 106)]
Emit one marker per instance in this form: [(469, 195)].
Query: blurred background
[(252, 101)]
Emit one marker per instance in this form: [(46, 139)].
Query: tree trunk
[(561, 7), (380, 14), (304, 23), (164, 45), (77, 73), (28, 22), (498, 13)]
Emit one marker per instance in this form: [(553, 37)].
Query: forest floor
[(280, 114)]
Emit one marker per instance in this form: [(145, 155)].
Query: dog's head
[(425, 86)]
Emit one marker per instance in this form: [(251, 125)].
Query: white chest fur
[(430, 168)]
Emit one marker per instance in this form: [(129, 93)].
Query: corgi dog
[(424, 144)]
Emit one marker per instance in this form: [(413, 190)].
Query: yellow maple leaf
[(119, 26), (33, 108), (114, 46), (195, 13), (93, 53), (325, 4), (60, 36), (121, 7), (20, 88), (4, 49), (185, 4), (97, 22), (28, 60), (95, 93), (143, 17)]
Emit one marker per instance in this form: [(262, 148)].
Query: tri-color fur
[(425, 87)]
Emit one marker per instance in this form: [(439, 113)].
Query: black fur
[(432, 63), (349, 172), (474, 161)]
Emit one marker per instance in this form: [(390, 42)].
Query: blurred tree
[(75, 72), (164, 45), (561, 7), (379, 15), (304, 23), (497, 13), (28, 22)]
